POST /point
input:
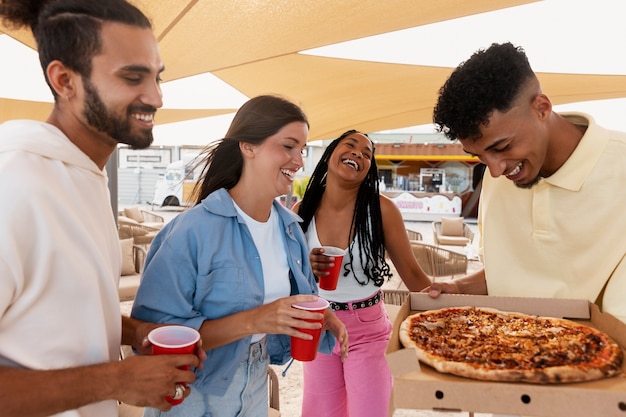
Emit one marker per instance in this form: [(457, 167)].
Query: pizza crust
[(489, 344)]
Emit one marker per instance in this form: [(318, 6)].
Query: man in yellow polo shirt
[(551, 214)]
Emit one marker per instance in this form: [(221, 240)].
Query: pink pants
[(361, 386)]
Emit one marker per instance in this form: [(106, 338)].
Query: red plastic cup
[(174, 340), (329, 282), (306, 350)]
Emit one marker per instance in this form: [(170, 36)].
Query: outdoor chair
[(396, 297), (133, 257), (147, 218), (452, 231), (439, 262), (141, 233), (413, 235)]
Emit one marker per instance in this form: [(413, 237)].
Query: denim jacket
[(203, 265)]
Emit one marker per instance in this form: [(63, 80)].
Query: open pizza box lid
[(423, 388)]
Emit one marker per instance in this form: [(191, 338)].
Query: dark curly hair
[(69, 30), (489, 80), (367, 223)]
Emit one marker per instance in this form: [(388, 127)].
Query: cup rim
[(340, 252), (324, 306), (186, 329)]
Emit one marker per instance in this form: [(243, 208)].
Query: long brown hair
[(258, 119)]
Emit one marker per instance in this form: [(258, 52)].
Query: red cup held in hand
[(329, 282), (306, 350), (172, 340)]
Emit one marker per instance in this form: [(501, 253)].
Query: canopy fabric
[(40, 110), (23, 109), (340, 94), (202, 36), (254, 46)]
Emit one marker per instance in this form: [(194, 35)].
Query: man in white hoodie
[(60, 321)]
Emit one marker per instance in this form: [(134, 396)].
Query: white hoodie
[(59, 256)]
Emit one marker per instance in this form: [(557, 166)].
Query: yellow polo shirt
[(566, 236)]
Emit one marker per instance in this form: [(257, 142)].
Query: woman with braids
[(232, 265), (342, 207)]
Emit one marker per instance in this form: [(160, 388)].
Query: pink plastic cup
[(329, 282), (172, 340), (306, 350)]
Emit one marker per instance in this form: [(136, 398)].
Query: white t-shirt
[(268, 239), (348, 289)]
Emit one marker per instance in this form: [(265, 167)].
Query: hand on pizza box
[(437, 288), (469, 284)]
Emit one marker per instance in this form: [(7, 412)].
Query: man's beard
[(105, 121)]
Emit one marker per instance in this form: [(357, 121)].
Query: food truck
[(176, 185)]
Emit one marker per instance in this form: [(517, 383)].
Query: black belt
[(375, 299)]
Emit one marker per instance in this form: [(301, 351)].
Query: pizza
[(494, 345)]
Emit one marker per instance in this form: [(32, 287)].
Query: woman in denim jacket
[(232, 266)]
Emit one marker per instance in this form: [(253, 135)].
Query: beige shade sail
[(254, 47), (202, 36), (340, 94), (40, 110), (23, 109), (198, 36)]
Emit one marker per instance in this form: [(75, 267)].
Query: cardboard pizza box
[(423, 388)]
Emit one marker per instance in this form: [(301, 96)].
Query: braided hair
[(367, 224)]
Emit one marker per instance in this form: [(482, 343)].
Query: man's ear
[(542, 105), (61, 79)]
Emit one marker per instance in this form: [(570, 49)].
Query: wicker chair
[(413, 235), (141, 233), (131, 270), (147, 218), (439, 262), (396, 297)]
